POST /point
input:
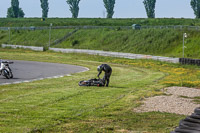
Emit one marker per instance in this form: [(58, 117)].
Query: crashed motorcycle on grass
[(92, 82), (5, 70)]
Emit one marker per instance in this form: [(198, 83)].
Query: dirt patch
[(179, 100)]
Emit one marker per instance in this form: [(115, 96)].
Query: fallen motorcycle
[(92, 82), (5, 70)]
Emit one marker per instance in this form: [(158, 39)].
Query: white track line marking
[(53, 77)]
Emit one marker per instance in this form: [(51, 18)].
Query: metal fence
[(179, 27)]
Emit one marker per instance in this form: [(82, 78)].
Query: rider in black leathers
[(108, 71)]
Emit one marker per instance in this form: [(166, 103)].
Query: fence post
[(50, 35), (184, 36), (9, 33)]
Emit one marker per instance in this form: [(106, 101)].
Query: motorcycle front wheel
[(10, 73)]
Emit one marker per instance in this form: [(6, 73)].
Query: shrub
[(75, 42)]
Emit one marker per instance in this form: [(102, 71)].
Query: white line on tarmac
[(53, 77)]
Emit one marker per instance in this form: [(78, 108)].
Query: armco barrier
[(21, 46), (117, 54), (101, 53)]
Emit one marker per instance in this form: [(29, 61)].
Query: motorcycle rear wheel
[(6, 74)]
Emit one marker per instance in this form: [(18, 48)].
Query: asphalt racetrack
[(27, 71)]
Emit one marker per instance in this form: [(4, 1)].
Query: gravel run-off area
[(178, 100)]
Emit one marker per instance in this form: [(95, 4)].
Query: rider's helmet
[(99, 68)]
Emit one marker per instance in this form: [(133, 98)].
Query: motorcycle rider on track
[(1, 65), (108, 71), (5, 69)]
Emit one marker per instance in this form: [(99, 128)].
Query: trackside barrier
[(191, 124), (189, 61), (101, 53), (21, 46), (117, 54)]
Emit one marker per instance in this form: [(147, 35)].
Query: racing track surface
[(26, 71)]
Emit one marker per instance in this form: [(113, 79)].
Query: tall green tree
[(150, 8), (74, 7), (195, 4), (15, 7), (45, 8), (109, 5), (14, 11), (21, 13), (10, 13)]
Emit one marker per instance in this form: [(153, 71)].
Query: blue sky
[(95, 8)]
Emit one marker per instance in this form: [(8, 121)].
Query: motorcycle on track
[(5, 70)]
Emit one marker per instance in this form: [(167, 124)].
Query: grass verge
[(60, 105), (32, 37), (162, 42)]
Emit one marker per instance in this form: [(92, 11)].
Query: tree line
[(16, 12)]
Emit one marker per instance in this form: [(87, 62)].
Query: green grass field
[(60, 105), (165, 42), (32, 37)]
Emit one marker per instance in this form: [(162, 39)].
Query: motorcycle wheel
[(10, 73), (84, 83), (6, 74)]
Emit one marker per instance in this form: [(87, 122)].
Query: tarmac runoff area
[(28, 71)]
